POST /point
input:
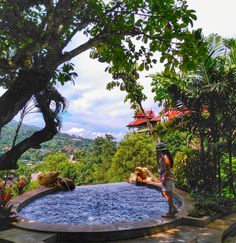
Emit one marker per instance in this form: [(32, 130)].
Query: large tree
[(33, 54)]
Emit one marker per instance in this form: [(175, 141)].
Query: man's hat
[(161, 147)]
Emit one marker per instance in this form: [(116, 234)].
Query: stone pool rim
[(99, 231)]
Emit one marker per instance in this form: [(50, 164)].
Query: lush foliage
[(206, 98), (191, 172), (134, 150), (225, 172), (7, 192), (104, 162), (88, 167), (206, 204)]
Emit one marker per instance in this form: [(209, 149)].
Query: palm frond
[(216, 46)]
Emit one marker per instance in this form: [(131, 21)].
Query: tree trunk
[(13, 144), (219, 174), (147, 120), (231, 181)]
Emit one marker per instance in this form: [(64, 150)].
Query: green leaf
[(141, 67)]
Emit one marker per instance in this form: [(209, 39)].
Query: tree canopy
[(34, 52)]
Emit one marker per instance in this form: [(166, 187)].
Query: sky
[(94, 111)]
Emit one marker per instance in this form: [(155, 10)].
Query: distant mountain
[(61, 142)]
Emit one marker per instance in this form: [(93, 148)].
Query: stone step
[(23, 236)]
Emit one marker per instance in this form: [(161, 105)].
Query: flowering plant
[(5, 207), (21, 183), (5, 194)]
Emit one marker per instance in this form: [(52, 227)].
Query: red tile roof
[(150, 114), (156, 118), (137, 122), (169, 114)]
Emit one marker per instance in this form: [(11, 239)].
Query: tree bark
[(25, 86), (145, 116), (231, 181)]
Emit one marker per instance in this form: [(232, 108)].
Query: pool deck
[(180, 229), (213, 232)]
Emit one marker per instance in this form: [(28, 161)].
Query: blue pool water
[(98, 204)]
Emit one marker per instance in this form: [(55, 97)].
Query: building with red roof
[(166, 115), (139, 124)]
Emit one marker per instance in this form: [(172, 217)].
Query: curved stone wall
[(92, 233)]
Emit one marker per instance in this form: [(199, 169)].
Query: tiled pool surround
[(98, 232)]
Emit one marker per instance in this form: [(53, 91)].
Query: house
[(166, 115), (139, 124)]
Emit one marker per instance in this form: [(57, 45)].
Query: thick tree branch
[(52, 125), (85, 21), (25, 86), (80, 49), (9, 159), (92, 43)]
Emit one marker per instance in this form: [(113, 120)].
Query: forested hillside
[(62, 142)]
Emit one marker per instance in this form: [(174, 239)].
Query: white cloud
[(96, 109), (76, 131), (98, 134), (118, 136), (92, 135)]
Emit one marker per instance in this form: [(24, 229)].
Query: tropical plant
[(206, 98), (206, 204), (103, 151), (191, 172), (52, 162)]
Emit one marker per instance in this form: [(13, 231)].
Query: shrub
[(136, 149), (184, 170), (206, 204), (33, 185), (191, 172)]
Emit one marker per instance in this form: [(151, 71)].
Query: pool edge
[(91, 233)]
